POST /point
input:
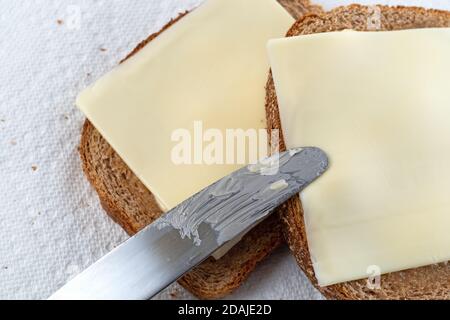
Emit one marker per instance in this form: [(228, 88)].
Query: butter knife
[(188, 234)]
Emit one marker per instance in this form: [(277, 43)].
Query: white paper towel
[(51, 223)]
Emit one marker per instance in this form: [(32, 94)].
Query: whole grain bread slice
[(127, 201), (431, 282)]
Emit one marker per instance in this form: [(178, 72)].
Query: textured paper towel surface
[(51, 223)]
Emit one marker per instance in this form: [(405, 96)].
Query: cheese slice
[(379, 105), (210, 66)]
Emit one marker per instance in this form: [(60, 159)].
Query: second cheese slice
[(379, 104), (210, 66)]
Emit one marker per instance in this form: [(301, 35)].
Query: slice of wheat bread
[(431, 282), (132, 206)]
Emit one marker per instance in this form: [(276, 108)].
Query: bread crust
[(297, 8), (431, 282)]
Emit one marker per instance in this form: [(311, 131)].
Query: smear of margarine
[(235, 203)]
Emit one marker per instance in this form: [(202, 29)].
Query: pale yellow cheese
[(379, 105), (210, 66)]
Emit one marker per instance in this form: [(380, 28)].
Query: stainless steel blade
[(161, 253)]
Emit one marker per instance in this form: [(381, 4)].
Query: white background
[(51, 224)]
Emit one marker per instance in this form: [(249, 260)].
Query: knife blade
[(188, 234)]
